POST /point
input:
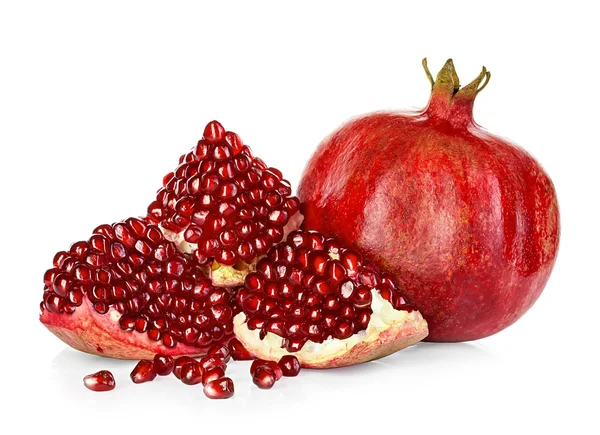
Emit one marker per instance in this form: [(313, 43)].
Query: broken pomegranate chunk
[(222, 204)]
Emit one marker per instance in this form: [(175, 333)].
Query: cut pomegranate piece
[(163, 365), (264, 377), (219, 389), (100, 381), (127, 292), (224, 206), (289, 365), (143, 372), (324, 304)]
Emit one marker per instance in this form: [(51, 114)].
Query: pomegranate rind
[(100, 334), (379, 342)]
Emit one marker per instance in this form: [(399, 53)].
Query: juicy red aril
[(212, 374), (220, 351), (264, 377), (191, 373), (163, 365), (256, 364), (238, 351), (212, 361), (143, 372), (243, 204), (222, 388), (100, 381), (289, 365), (179, 363)]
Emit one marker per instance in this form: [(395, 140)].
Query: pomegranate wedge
[(326, 305), (224, 206)]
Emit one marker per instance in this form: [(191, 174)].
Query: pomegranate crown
[(448, 100)]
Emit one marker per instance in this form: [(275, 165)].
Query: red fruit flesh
[(100, 381), (219, 389), (289, 365), (223, 204), (191, 373), (163, 365), (264, 378), (143, 372), (312, 290), (221, 351), (129, 293), (467, 222)]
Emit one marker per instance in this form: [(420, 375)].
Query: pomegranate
[(100, 381), (272, 365), (127, 292), (179, 363), (212, 374), (466, 221), (238, 351), (224, 206), (323, 303)]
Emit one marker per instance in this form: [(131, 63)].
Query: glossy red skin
[(467, 221)]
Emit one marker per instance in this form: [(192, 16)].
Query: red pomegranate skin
[(467, 221)]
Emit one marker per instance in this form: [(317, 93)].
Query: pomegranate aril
[(264, 377), (212, 374), (212, 361), (191, 373), (256, 364), (143, 372), (163, 364), (220, 351), (214, 132), (100, 381), (343, 329), (289, 365), (238, 351), (222, 388), (179, 363)]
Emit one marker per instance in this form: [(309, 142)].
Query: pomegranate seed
[(143, 372), (238, 351), (163, 365), (221, 351), (212, 361), (264, 377), (191, 373), (214, 132), (289, 365), (100, 381), (219, 389), (179, 363), (256, 364), (212, 374)]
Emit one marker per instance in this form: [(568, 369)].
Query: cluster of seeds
[(131, 268), (209, 371), (222, 200), (310, 288)]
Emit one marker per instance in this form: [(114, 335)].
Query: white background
[(98, 100)]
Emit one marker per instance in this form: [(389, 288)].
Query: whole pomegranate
[(467, 221)]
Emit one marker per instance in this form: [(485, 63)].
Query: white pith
[(384, 316)]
